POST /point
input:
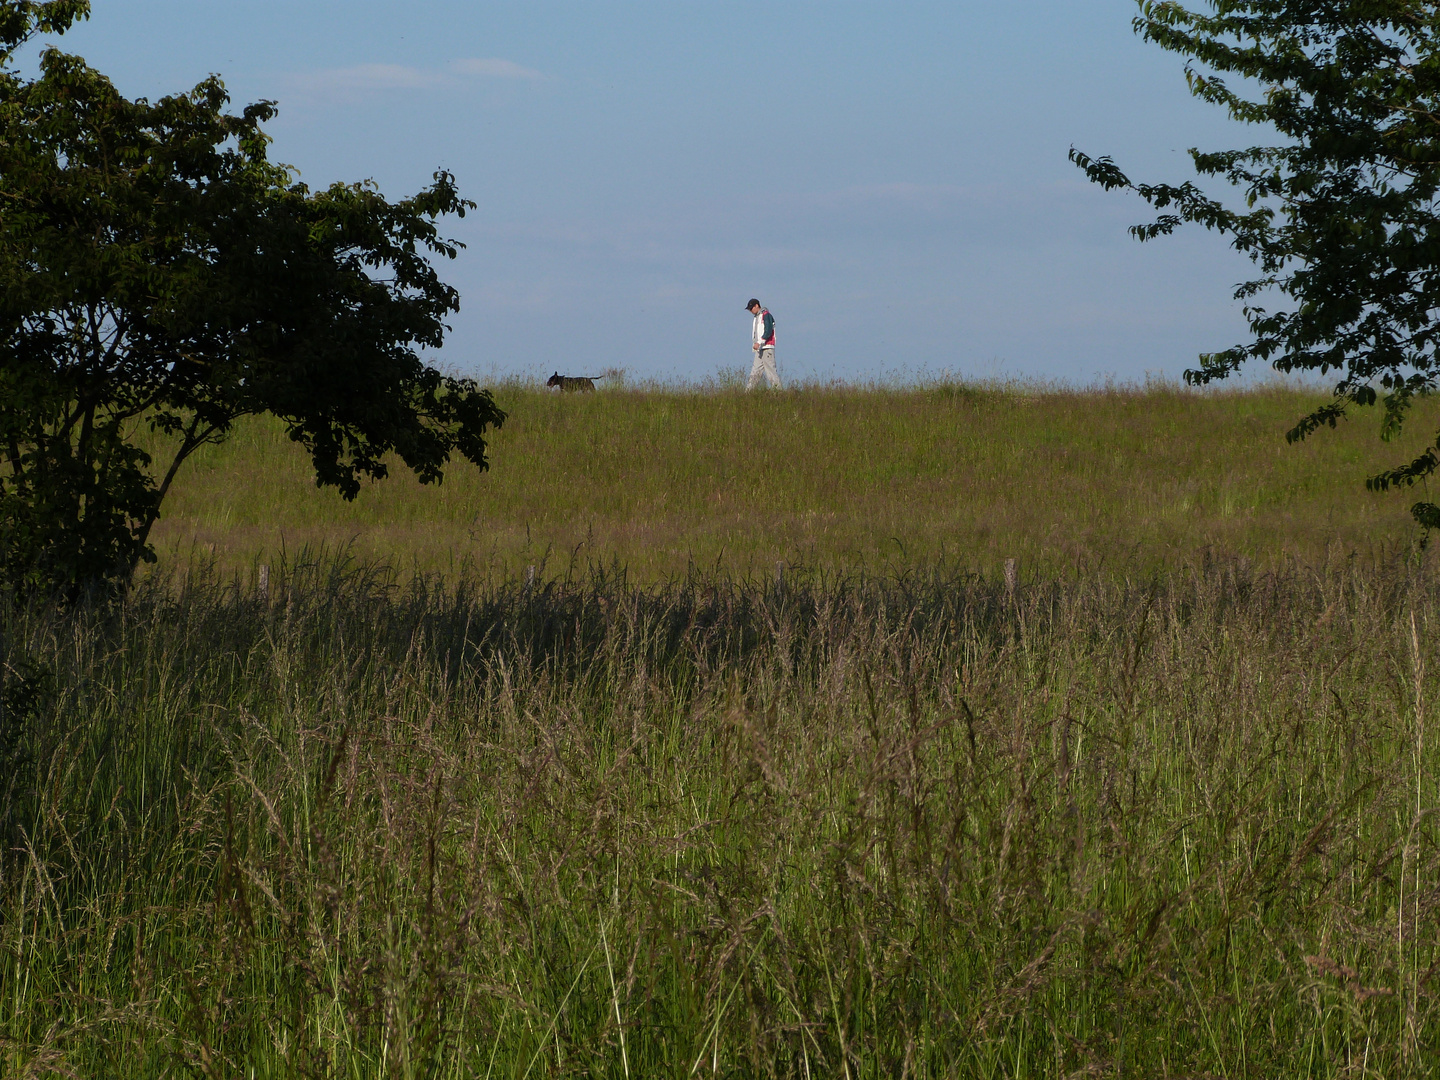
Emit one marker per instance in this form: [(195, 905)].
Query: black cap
[(753, 303)]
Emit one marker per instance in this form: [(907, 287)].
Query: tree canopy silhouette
[(1340, 214), (158, 271)]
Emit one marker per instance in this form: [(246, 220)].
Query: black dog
[(571, 384)]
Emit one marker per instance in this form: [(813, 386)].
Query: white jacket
[(758, 331)]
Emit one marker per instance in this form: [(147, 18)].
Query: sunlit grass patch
[(829, 478)]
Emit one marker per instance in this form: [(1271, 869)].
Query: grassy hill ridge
[(828, 477)]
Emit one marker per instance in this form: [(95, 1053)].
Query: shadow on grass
[(932, 823)]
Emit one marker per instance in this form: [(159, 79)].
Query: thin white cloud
[(381, 78)]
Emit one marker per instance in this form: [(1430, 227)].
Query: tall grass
[(926, 824), (662, 480)]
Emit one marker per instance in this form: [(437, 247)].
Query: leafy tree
[(1340, 215), (156, 270)]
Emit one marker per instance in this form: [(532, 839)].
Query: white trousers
[(764, 363)]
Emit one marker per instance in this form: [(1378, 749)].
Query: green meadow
[(662, 481), (1161, 804)]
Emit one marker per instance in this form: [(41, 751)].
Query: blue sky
[(890, 179)]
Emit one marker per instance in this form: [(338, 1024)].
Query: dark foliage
[(157, 270), (1340, 215)]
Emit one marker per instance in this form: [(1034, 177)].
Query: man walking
[(763, 342)]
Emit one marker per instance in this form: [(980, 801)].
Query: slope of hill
[(833, 478)]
